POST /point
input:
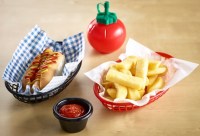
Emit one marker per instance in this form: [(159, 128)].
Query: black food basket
[(13, 88)]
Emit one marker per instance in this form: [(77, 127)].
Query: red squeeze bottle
[(106, 33)]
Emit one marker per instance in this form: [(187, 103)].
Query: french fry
[(125, 80), (141, 68), (109, 98), (152, 79), (107, 84), (142, 92), (126, 63), (158, 84), (132, 59), (157, 71), (133, 94), (153, 64), (133, 69), (163, 66), (125, 71), (112, 92), (123, 65), (146, 81), (121, 91)]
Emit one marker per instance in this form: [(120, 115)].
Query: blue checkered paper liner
[(34, 43)]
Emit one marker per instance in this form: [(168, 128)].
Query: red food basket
[(127, 106)]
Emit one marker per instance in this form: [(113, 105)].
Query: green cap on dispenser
[(105, 17)]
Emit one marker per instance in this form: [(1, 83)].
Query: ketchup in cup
[(73, 113), (71, 110)]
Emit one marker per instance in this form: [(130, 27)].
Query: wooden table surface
[(171, 26)]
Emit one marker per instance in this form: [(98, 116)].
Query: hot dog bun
[(43, 68), (29, 76)]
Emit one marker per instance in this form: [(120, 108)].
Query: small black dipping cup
[(73, 125)]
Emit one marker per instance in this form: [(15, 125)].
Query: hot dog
[(43, 68)]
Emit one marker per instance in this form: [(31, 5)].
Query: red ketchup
[(71, 110)]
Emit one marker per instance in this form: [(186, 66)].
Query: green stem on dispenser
[(105, 17)]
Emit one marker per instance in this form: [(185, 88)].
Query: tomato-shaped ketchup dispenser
[(106, 33)]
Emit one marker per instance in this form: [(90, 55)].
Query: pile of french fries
[(133, 77)]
